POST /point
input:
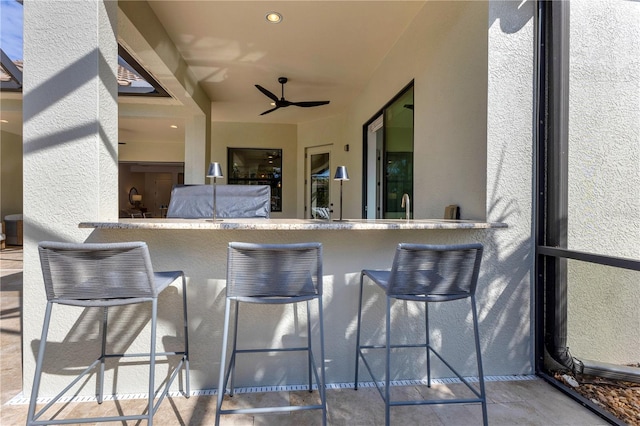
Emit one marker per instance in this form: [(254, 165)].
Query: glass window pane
[(256, 166), (398, 158), (604, 128), (319, 196), (130, 82)]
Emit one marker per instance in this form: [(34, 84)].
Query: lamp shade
[(136, 197), (341, 173), (215, 171)]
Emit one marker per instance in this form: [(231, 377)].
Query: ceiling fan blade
[(309, 103), (267, 93), (270, 110), (282, 102)]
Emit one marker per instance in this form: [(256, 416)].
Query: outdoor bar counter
[(199, 248)]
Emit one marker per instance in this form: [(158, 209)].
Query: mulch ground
[(620, 398)]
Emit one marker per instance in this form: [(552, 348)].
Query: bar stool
[(105, 275), (272, 274), (429, 274)]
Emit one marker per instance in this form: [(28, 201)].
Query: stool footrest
[(436, 402), (105, 419), (417, 345), (279, 409), (247, 351), (142, 355)]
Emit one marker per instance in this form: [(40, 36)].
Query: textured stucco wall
[(604, 178), (509, 179), (70, 135)]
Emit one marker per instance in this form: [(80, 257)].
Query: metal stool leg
[(103, 352), (322, 385), (152, 361), (39, 360), (476, 333), (186, 335), (358, 331), (223, 360), (426, 325), (232, 363), (309, 355), (387, 379)]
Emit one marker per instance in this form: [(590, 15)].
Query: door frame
[(308, 152)]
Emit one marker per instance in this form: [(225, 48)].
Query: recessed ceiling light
[(173, 126), (274, 17), (4, 121)]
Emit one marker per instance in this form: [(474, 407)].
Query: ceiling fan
[(282, 102)]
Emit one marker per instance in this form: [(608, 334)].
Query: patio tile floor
[(518, 402)]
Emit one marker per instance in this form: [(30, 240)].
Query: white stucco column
[(195, 147), (70, 138), (510, 155)]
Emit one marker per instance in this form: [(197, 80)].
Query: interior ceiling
[(150, 129), (328, 49)]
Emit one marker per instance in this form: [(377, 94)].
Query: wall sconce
[(341, 175), (215, 171)]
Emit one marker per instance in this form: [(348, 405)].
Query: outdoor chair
[(273, 274), (428, 274), (90, 275)]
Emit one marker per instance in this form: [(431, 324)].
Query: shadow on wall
[(82, 342), (512, 15), (503, 299)]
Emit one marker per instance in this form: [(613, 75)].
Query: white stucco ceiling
[(327, 49)]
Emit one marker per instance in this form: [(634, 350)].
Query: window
[(388, 158), (256, 166), (133, 80)]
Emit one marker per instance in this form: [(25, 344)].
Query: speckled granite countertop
[(292, 224)]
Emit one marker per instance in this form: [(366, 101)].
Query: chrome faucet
[(405, 203)]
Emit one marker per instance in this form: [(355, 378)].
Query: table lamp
[(341, 175), (137, 200), (215, 171)]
